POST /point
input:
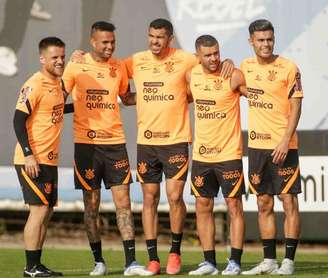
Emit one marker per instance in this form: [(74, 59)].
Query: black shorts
[(154, 160), (207, 178), (42, 190), (266, 177), (94, 163)]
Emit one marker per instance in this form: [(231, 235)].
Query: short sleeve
[(29, 97), (128, 62), (294, 83), (69, 77), (124, 84)]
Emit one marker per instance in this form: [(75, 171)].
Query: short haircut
[(50, 41), (160, 23), (205, 40), (102, 26), (260, 25)]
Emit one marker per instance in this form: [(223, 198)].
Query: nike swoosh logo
[(85, 70), (235, 183), (289, 246), (151, 247), (287, 179), (180, 166), (249, 71)]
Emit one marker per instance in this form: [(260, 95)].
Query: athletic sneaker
[(267, 266), (36, 271), (154, 267), (135, 269), (99, 270), (52, 272), (287, 268), (232, 268), (173, 264), (205, 268)]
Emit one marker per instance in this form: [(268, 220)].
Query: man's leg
[(206, 233), (151, 196), (91, 201), (291, 230), (124, 220), (33, 233), (237, 227)]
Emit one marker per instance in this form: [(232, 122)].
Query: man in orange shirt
[(275, 97), (100, 152), (217, 152), (38, 122), (163, 134)]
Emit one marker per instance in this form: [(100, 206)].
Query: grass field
[(78, 263)]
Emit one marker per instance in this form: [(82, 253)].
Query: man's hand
[(31, 166), (226, 68), (78, 56), (280, 152)]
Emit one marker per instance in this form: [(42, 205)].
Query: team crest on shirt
[(199, 181), (255, 179), (169, 67), (89, 174), (142, 168), (47, 187), (258, 78), (272, 75), (24, 94), (112, 72), (218, 84)]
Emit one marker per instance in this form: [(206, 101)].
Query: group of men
[(166, 80)]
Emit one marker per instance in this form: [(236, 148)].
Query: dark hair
[(160, 23), (50, 41), (102, 26), (260, 25), (205, 40)]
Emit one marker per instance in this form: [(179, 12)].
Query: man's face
[(262, 43), (158, 40), (53, 60), (209, 57), (103, 44)]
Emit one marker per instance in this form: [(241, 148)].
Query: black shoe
[(52, 272), (36, 271)]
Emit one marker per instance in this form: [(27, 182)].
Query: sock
[(291, 245), (210, 256), (152, 249), (269, 248), (236, 254), (39, 254), (176, 243), (97, 252), (129, 251), (32, 258)]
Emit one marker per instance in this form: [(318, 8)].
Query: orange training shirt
[(42, 98), (218, 134), (270, 87), (162, 106), (95, 87)]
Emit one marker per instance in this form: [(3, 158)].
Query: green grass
[(78, 263)]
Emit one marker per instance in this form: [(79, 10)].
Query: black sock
[(236, 254), (32, 258), (210, 256), (39, 254), (176, 243), (129, 251), (97, 252), (269, 248), (291, 245), (152, 249)]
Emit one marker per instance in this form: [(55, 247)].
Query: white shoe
[(99, 270), (8, 61), (205, 268), (267, 266), (38, 13), (287, 268), (135, 269), (232, 268)]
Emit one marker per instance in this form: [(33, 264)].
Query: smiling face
[(53, 61), (103, 44), (209, 57), (263, 44), (158, 41)]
